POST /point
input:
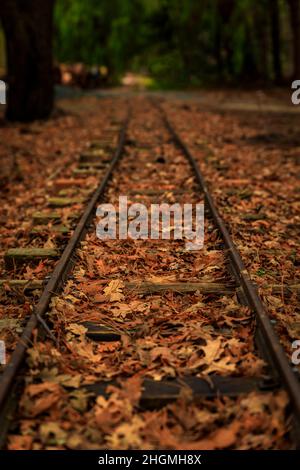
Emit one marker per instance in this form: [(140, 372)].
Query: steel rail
[(271, 343), (58, 275)]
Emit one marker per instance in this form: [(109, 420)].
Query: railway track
[(179, 322)]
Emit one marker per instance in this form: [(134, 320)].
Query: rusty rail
[(58, 276), (267, 341)]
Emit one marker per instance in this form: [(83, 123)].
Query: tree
[(276, 42), (181, 42), (225, 13), (294, 6), (262, 39), (28, 28)]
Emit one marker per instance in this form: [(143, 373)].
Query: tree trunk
[(218, 48), (276, 44), (261, 38), (28, 26), (225, 12), (295, 25)]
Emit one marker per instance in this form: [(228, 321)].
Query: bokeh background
[(157, 44)]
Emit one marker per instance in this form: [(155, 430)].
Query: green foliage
[(178, 42), (2, 52)]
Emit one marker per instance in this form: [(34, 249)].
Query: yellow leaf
[(212, 350), (223, 365), (72, 381), (77, 329), (127, 435), (52, 432), (113, 291)]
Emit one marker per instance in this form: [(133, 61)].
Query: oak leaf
[(113, 291)]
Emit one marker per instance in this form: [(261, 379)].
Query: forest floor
[(248, 147), (275, 100)]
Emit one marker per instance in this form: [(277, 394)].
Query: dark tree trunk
[(28, 26), (218, 47), (225, 11), (276, 44), (295, 25), (262, 43), (249, 68)]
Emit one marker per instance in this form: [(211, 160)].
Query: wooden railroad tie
[(63, 201), (147, 287), (63, 183), (86, 171), (156, 394), (99, 332), (72, 192), (22, 283), (45, 229), (45, 218), (112, 128), (88, 157), (104, 145), (93, 164), (42, 218), (253, 217), (115, 121), (155, 192), (92, 152), (19, 256)]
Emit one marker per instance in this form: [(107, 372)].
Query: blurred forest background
[(182, 42), (170, 43)]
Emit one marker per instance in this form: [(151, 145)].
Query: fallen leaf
[(77, 329), (19, 442), (113, 291), (52, 433), (38, 398)]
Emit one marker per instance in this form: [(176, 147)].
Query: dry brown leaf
[(113, 291), (77, 329), (38, 398), (19, 442)]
